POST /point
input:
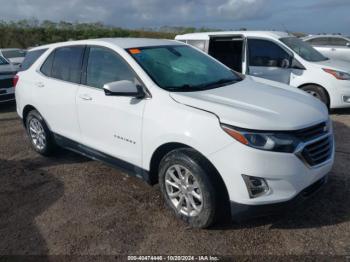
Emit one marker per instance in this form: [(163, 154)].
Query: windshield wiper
[(189, 88), (219, 83)]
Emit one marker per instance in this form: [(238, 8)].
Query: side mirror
[(124, 88)]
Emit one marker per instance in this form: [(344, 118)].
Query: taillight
[(15, 80)]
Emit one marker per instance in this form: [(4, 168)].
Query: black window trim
[(54, 54)]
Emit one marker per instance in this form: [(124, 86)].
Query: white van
[(281, 57)]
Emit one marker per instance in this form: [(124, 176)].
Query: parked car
[(280, 57), (7, 73), (13, 55), (164, 111), (332, 46)]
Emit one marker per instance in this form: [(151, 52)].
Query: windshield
[(3, 61), (13, 53), (182, 68), (305, 50)]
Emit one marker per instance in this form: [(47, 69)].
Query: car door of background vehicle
[(109, 124), (339, 48), (57, 88), (267, 59)]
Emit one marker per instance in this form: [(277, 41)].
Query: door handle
[(333, 49), (85, 97), (39, 84)]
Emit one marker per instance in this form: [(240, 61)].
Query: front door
[(109, 124), (267, 59)]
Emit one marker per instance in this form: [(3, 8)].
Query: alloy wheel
[(183, 190), (37, 134)]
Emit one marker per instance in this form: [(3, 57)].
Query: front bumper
[(241, 212), (285, 173)]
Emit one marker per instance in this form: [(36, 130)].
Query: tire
[(317, 92), (197, 192), (39, 134)]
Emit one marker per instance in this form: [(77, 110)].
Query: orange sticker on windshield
[(135, 51)]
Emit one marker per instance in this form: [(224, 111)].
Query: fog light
[(346, 99), (256, 186)]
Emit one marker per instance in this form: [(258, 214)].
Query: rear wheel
[(39, 134), (186, 186), (317, 92)]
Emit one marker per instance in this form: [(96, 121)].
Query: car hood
[(258, 104), (335, 64)]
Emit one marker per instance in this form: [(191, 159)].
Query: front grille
[(6, 83), (318, 152), (312, 132)]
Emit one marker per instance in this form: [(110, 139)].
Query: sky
[(310, 16)]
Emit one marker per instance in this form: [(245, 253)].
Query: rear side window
[(105, 66), (266, 53), (46, 68), (31, 58), (67, 63)]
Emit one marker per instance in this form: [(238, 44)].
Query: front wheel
[(186, 187)]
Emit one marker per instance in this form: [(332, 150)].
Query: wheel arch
[(25, 113), (217, 179), (314, 84)]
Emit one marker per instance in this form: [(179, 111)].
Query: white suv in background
[(281, 57), (168, 113)]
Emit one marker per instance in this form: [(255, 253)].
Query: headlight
[(269, 141), (337, 74)]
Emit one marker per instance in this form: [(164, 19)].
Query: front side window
[(3, 61), (181, 68), (303, 49), (266, 53), (105, 66), (67, 63)]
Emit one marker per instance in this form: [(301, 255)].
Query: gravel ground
[(70, 205)]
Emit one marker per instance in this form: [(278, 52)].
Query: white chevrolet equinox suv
[(217, 142)]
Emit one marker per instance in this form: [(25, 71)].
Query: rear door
[(56, 89), (266, 59), (109, 124)]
